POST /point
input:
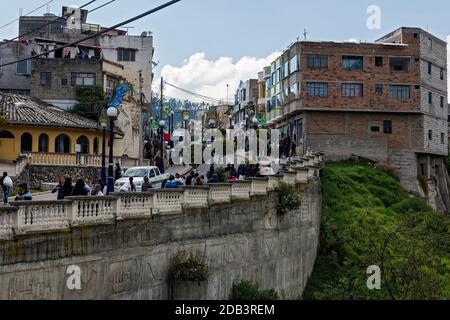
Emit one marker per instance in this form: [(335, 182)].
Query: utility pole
[(161, 126)]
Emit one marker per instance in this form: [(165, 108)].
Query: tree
[(91, 101)]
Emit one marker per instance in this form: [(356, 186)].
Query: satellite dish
[(144, 34)]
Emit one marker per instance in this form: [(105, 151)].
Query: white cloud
[(210, 77)]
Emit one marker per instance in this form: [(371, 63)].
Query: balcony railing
[(25, 217)]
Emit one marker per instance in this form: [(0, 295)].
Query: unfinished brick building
[(385, 101)]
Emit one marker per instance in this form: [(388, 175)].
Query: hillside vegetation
[(369, 219)]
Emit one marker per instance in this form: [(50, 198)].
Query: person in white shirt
[(6, 184)]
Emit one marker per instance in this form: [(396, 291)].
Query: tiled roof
[(27, 111)]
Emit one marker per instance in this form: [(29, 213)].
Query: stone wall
[(34, 175), (244, 240)]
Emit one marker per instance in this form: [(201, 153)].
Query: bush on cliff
[(369, 219), (187, 266), (288, 198), (250, 291)]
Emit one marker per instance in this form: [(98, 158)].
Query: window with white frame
[(317, 89), (294, 64), (352, 89), (23, 67), (353, 62), (294, 91), (83, 79)]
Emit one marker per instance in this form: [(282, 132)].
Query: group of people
[(7, 185), (288, 147), (65, 188)]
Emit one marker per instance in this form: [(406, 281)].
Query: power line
[(167, 4), (49, 23), (103, 5), (211, 99), (10, 23)]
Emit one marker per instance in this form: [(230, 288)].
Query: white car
[(138, 173)]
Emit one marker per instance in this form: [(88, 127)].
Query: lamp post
[(162, 123), (172, 114), (230, 117), (104, 125), (246, 122), (255, 123), (112, 114)]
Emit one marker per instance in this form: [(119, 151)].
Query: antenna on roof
[(305, 33)]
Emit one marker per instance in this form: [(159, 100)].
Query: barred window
[(352, 90), (317, 61), (126, 54), (353, 62), (379, 89), (400, 92), (46, 79), (83, 79), (317, 89)]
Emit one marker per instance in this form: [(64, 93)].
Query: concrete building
[(386, 101), (246, 100)]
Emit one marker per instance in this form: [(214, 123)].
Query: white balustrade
[(196, 197), (134, 205), (168, 201), (92, 210), (241, 189), (220, 193), (42, 216), (289, 177), (8, 222), (273, 182), (259, 186)]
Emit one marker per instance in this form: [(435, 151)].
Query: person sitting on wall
[(146, 186), (80, 189), (24, 194), (171, 184), (59, 188)]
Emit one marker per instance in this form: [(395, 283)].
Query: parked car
[(157, 180)]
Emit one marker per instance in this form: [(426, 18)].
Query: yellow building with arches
[(46, 133)]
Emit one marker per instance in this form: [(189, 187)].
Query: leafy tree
[(91, 101), (249, 291)]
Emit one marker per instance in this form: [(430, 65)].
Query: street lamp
[(162, 123), (112, 114), (172, 114), (104, 124), (246, 122), (255, 123), (230, 117)]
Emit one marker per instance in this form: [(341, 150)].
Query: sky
[(203, 45)]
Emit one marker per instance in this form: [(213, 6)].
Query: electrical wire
[(51, 22), (15, 20), (138, 17), (202, 97)]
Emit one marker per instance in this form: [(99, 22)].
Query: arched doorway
[(83, 145), (26, 143), (43, 143), (63, 144), (96, 147)]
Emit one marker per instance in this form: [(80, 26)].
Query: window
[(442, 102), (243, 94), (317, 89), (430, 43), (352, 90), (375, 129), (43, 143), (430, 66), (46, 79), (294, 91), (26, 143), (96, 147), (442, 138), (63, 144), (430, 135), (317, 61), (400, 64), (430, 98), (400, 92), (442, 73), (83, 145), (378, 61), (6, 135), (293, 64), (387, 127), (83, 79), (379, 89), (352, 62), (286, 70), (64, 82), (126, 55), (24, 67)]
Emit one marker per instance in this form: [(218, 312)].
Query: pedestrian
[(211, 170), (97, 191), (118, 172), (198, 181), (80, 189), (214, 179), (194, 181), (67, 188), (293, 148), (171, 184), (7, 184), (132, 185), (179, 179), (24, 194), (146, 186), (171, 163), (190, 178), (242, 171), (59, 188), (233, 171)]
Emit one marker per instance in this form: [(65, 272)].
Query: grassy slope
[(369, 219)]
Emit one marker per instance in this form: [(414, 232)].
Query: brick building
[(385, 101)]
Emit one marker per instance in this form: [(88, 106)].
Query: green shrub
[(288, 198), (188, 267), (249, 291)]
